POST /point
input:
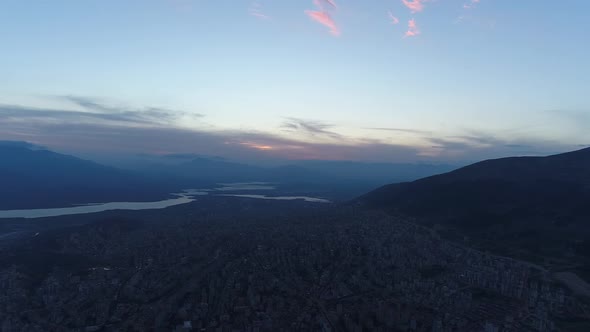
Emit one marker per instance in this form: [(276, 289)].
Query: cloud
[(91, 103), (414, 6), (324, 19), (322, 16), (471, 4), (322, 4), (123, 113), (112, 133), (94, 111), (476, 145), (66, 131), (413, 29), (309, 128), (392, 18), (18, 113), (256, 11), (100, 106), (402, 130)]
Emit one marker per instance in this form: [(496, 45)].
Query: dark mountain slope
[(532, 203), (32, 177), (337, 180)]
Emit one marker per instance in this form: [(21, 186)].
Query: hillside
[(35, 178), (536, 206), (338, 180)]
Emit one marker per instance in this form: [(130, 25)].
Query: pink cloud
[(324, 19), (394, 20), (321, 16), (414, 5), (413, 29)]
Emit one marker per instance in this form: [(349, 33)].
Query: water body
[(251, 186), (246, 186), (186, 197), (93, 208), (237, 186), (282, 198)]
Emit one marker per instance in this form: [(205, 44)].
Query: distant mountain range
[(536, 208), (34, 177), (340, 180), (539, 206)]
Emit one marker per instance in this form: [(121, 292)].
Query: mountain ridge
[(35, 177), (531, 206)]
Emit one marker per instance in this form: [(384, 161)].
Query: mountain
[(377, 172), (538, 206), (33, 177), (339, 180)]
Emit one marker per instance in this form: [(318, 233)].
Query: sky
[(380, 80)]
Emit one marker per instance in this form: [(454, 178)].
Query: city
[(269, 266)]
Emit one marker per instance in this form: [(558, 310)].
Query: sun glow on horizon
[(256, 146)]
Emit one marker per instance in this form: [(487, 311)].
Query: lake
[(93, 208), (186, 197), (282, 198)]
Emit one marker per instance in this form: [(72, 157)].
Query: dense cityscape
[(271, 266), (310, 165)]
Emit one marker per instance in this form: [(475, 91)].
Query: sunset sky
[(379, 80)]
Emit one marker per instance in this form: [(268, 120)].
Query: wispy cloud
[(392, 18), (255, 10), (154, 115), (309, 128), (413, 29), (325, 4), (92, 104), (95, 111), (100, 133), (414, 6), (322, 16), (402, 130), (475, 145), (101, 129), (453, 146)]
